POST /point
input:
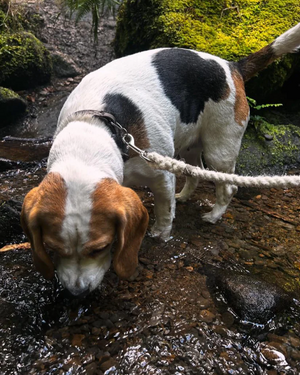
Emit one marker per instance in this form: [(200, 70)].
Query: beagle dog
[(173, 101)]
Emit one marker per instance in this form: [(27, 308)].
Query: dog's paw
[(162, 234), (209, 217)]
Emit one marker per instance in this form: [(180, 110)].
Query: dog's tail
[(286, 43)]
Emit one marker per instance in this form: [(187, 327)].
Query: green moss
[(228, 29), (16, 17), (6, 94), (24, 61), (136, 27), (261, 156)]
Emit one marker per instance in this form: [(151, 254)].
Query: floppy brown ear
[(32, 228), (132, 224)]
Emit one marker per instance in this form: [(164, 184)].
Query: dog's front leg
[(163, 188), (162, 185)]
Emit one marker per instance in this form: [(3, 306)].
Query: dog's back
[(178, 101)]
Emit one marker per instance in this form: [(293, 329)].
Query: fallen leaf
[(19, 246)]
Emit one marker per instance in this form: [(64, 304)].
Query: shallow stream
[(174, 317)]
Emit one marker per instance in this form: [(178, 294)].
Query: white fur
[(83, 154), (287, 41)]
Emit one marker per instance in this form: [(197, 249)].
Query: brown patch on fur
[(241, 107), (141, 140), (118, 211), (254, 63), (41, 218)]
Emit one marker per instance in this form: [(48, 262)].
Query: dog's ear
[(132, 223), (119, 210), (30, 221)]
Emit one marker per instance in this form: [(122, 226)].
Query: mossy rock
[(12, 106), (24, 61), (230, 30), (17, 17), (269, 149)]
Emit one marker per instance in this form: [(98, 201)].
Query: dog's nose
[(78, 293)]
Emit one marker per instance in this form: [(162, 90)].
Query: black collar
[(110, 121)]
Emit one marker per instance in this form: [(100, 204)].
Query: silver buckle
[(129, 141)]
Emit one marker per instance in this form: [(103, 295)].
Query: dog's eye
[(98, 251), (48, 248)]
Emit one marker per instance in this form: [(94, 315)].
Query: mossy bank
[(230, 30)]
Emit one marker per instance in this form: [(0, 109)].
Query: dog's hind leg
[(221, 156), (193, 157), (224, 194)]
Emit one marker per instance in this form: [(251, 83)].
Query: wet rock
[(253, 299), (268, 137), (281, 347), (228, 319), (6, 309), (115, 348), (157, 316), (269, 157), (295, 354), (273, 357), (108, 364), (92, 369), (6, 164), (12, 106), (63, 65), (77, 340), (10, 226), (203, 303), (295, 342), (23, 149), (207, 316)]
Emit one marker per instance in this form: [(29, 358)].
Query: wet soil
[(171, 319)]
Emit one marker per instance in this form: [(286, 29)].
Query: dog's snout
[(78, 293)]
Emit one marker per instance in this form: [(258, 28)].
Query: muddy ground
[(173, 318)]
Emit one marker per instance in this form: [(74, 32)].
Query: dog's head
[(80, 229)]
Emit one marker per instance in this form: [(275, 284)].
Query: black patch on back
[(126, 113), (123, 109), (189, 81)]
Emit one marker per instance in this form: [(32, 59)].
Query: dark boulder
[(251, 298), (63, 65), (10, 226), (12, 106)]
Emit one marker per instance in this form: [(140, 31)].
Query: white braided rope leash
[(179, 167)]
